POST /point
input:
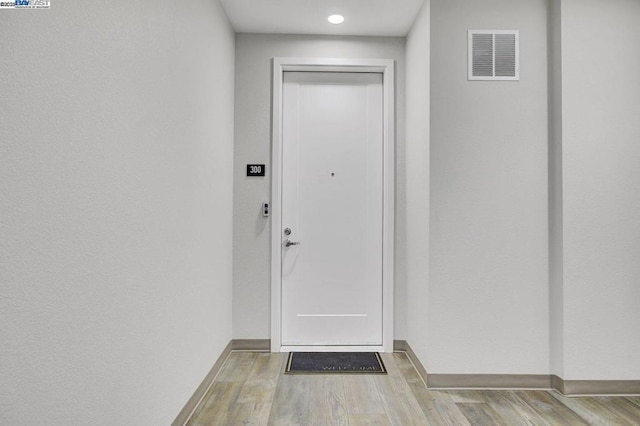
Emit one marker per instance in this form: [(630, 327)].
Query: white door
[(332, 205)]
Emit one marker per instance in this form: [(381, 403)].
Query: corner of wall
[(556, 288), (418, 179)]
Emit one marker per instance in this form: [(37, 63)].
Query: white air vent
[(494, 55)]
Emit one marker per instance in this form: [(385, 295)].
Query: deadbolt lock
[(287, 231)]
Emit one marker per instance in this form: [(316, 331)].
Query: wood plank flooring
[(251, 389)]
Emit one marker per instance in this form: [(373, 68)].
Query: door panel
[(332, 197)]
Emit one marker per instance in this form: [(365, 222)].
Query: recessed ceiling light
[(336, 19)]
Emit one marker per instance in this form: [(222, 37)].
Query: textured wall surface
[(116, 135), (417, 180), (601, 188), (488, 270), (251, 244)]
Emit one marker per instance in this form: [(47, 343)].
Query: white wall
[(488, 273), (251, 246), (601, 175), (417, 181), (115, 225), (556, 290)]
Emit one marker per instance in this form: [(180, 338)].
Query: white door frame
[(386, 68)]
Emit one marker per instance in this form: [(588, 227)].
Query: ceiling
[(362, 17)]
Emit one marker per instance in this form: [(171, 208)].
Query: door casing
[(386, 67)]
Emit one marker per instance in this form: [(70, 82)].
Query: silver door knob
[(290, 243)]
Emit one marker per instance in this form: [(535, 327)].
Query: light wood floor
[(251, 389)]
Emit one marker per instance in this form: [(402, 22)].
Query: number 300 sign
[(255, 169)]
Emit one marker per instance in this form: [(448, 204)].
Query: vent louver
[(494, 55)]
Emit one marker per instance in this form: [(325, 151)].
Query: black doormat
[(335, 363)]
